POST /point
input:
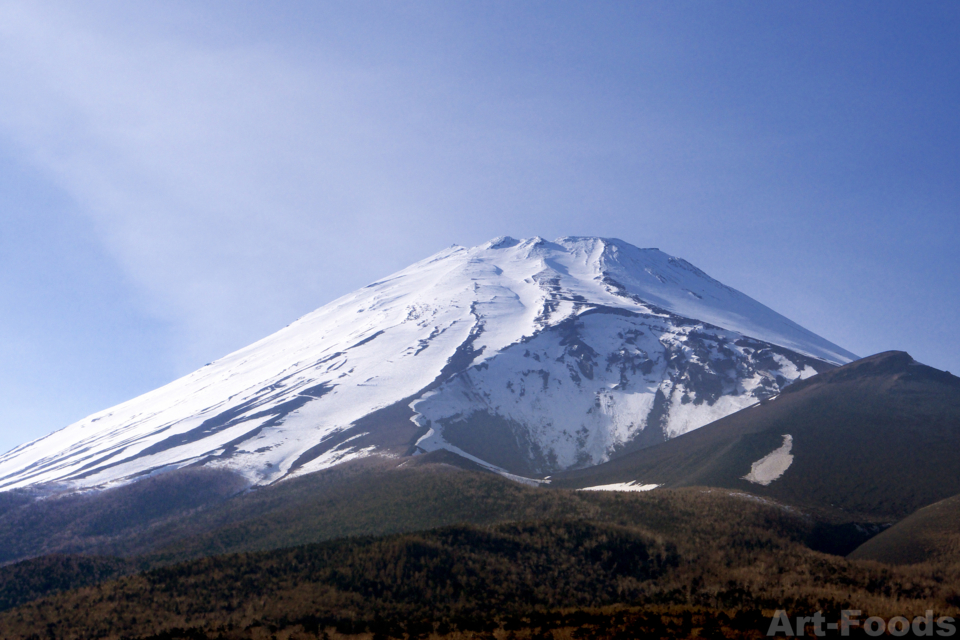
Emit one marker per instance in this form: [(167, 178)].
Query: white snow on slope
[(621, 486), (773, 465), (575, 415), (267, 409)]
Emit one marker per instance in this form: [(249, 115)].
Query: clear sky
[(179, 179)]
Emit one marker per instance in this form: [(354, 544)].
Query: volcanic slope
[(874, 440), (524, 355), (932, 534)]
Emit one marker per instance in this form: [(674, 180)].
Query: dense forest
[(687, 563)]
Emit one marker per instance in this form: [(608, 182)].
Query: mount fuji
[(527, 357)]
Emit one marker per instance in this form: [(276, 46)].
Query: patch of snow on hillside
[(622, 486), (773, 465)]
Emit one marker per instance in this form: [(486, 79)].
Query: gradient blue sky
[(179, 179)]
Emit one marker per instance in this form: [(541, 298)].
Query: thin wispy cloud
[(235, 166), (221, 177), (197, 163)]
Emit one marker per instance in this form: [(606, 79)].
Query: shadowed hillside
[(114, 521), (874, 440), (932, 534), (709, 562)]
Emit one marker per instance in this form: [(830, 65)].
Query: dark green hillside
[(13, 499), (32, 579), (105, 522), (932, 534), (195, 512), (708, 561), (366, 498), (874, 440), (376, 497)]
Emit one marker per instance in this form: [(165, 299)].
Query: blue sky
[(180, 179)]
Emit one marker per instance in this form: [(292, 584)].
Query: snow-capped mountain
[(525, 355)]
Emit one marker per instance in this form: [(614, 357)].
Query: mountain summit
[(525, 356)]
